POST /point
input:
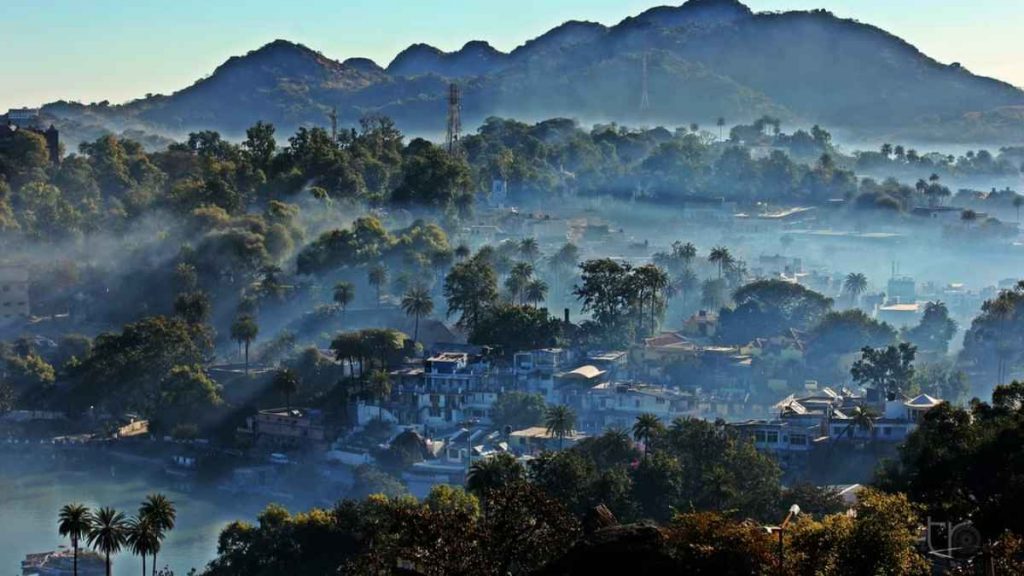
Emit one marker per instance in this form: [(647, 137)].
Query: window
[(772, 437), (886, 431), (798, 440), (759, 436)]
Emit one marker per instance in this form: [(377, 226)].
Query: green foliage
[(518, 410), (126, 370), (768, 308), (934, 331), (888, 370), (962, 464), (470, 289), (513, 328)]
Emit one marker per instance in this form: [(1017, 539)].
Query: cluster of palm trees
[(523, 287), (109, 531)]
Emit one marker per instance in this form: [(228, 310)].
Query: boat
[(62, 563)]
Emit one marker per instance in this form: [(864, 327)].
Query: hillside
[(706, 59)]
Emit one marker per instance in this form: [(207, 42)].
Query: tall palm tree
[(685, 252), (344, 294), (645, 429), (855, 285), (720, 256), (378, 277), (142, 538), (560, 422), (1002, 309), (244, 330), (159, 510), (417, 303), (286, 381), (107, 533), (518, 278), (535, 292), (687, 283), (74, 522), (529, 249), (380, 389)]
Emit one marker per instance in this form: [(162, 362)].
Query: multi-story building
[(617, 405), (456, 388), (14, 301), (534, 371), (285, 428)]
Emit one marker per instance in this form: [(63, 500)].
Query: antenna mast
[(454, 118), (645, 101), (333, 115)]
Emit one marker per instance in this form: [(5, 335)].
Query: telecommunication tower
[(454, 118), (645, 100), (333, 115)]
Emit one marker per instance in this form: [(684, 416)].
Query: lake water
[(30, 501)]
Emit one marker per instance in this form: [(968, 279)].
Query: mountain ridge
[(805, 66)]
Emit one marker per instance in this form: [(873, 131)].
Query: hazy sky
[(91, 50)]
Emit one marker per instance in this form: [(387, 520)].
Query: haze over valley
[(706, 291)]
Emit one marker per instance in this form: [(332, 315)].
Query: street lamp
[(794, 510)]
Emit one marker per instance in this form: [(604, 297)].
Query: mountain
[(705, 59)]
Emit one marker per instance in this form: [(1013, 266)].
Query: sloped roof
[(588, 372), (923, 401)]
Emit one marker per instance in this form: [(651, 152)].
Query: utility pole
[(454, 118), (645, 100)]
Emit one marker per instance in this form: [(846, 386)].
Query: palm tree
[(462, 252), (492, 473), (645, 429), (518, 278), (887, 150), (378, 277), (380, 389), (286, 381), (142, 538), (560, 421), (74, 522), (687, 283), (529, 249), (1002, 310), (344, 294), (244, 330), (685, 252), (159, 510), (536, 291), (107, 533), (863, 418), (855, 285), (694, 127), (417, 303), (721, 256)]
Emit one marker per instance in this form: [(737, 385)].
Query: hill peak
[(694, 12)]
